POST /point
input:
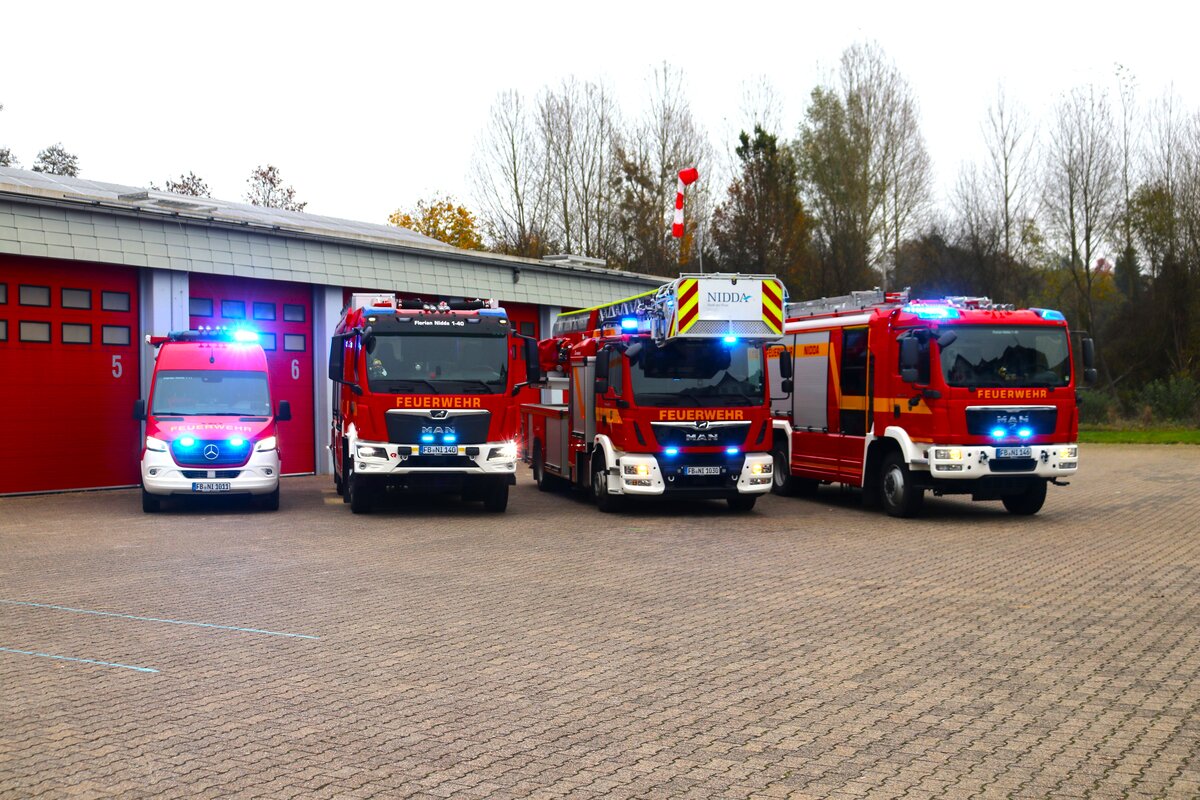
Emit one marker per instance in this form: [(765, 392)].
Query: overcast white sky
[(368, 107)]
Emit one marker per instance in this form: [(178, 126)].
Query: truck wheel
[(495, 499), (345, 492), (268, 502), (337, 484), (783, 482), (900, 497), (539, 468), (742, 502), (1028, 502), (605, 502), (357, 494), (150, 503)]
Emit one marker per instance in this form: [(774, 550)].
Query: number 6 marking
[(117, 369), (295, 369)]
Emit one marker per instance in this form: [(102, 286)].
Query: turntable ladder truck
[(665, 393)]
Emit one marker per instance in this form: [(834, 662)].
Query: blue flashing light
[(671, 451), (629, 324), (998, 433), (731, 339), (186, 441), (237, 441), (922, 311), (449, 438), (1025, 433), (427, 438), (492, 312), (1050, 314), (245, 336), (731, 451)]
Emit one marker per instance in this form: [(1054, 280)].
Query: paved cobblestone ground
[(809, 649)]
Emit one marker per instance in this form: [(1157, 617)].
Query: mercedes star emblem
[(211, 452)]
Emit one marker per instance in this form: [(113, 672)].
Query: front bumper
[(489, 458), (162, 476), (980, 461), (642, 475)]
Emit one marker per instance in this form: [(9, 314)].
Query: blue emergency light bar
[(922, 311), (1049, 314)]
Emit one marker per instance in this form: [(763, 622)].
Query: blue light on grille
[(671, 451), (186, 441), (449, 438), (427, 438), (998, 433), (1025, 433), (731, 451)]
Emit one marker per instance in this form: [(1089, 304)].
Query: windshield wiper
[(489, 387), (430, 384)]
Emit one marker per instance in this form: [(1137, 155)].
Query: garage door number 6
[(295, 369)]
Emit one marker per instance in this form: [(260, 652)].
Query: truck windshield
[(704, 372), (438, 364), (1024, 356), (210, 393)]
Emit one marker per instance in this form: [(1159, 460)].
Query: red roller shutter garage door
[(69, 364), (282, 315)]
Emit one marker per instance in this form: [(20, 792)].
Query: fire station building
[(88, 269)]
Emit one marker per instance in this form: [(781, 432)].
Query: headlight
[(951, 454), (157, 445), (761, 469), (266, 445), (508, 450), (371, 452), (1069, 452), (637, 469)]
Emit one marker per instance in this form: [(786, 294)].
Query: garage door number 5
[(117, 369), (295, 369)]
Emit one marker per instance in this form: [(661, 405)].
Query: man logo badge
[(701, 424), (437, 413), (211, 452)]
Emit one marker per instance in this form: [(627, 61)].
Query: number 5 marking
[(117, 369), (295, 369)]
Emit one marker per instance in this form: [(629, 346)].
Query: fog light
[(949, 467), (638, 481), (268, 471), (948, 454), (759, 481), (154, 470), (1068, 464)]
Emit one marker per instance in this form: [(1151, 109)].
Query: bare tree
[(509, 179), (189, 184), (1010, 145), (7, 159), (267, 189), (1083, 189), (55, 160)]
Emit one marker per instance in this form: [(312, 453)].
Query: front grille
[(223, 453), (218, 473), (1013, 464), (982, 421), (709, 436), (466, 428)]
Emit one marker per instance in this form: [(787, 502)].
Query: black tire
[(606, 502), (337, 485), (783, 482), (267, 502), (742, 502), (540, 477), (358, 494), (495, 499), (900, 498), (151, 504), (345, 493), (1028, 502)]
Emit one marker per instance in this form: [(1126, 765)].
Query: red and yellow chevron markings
[(772, 305), (689, 305)]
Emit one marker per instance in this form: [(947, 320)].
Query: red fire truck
[(955, 396), (666, 394), (424, 398), (210, 427)]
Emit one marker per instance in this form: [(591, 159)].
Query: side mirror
[(910, 359), (369, 342), (285, 411), (785, 364), (1088, 350), (946, 338), (632, 351), (533, 367), (337, 358), (139, 410), (602, 371), (1090, 375), (787, 385)]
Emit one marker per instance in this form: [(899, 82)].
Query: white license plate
[(439, 450), (204, 488), (701, 470), (1014, 452)]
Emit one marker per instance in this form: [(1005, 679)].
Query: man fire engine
[(900, 396), (425, 398), (666, 393)]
